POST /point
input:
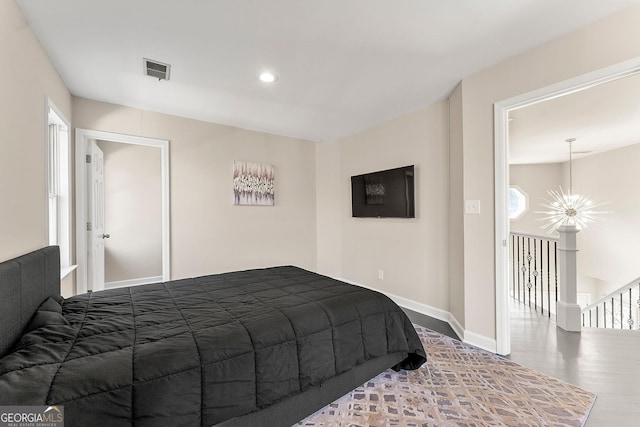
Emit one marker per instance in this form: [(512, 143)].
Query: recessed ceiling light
[(268, 77)]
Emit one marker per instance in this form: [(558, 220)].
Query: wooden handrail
[(553, 238)]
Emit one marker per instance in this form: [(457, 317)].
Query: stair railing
[(618, 310), (535, 277)]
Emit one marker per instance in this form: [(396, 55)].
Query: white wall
[(608, 256), (329, 201), (607, 42), (133, 207), (208, 233), (456, 212), (413, 253), (608, 251), (535, 180), (26, 79)]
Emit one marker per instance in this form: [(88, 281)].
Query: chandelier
[(566, 208)]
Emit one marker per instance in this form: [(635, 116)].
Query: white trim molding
[(65, 207), (501, 150), (82, 138), (480, 341), (472, 338), (132, 282)]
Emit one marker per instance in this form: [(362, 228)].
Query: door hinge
[(89, 227), (88, 158)]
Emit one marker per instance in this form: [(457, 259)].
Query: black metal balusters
[(630, 321), (532, 265), (621, 315), (617, 309)]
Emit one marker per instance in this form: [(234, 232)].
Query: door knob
[(106, 236)]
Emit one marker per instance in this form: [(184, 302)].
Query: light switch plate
[(472, 207)]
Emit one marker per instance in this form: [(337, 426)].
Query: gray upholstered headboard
[(25, 282)]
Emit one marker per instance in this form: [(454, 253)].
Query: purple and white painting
[(253, 183)]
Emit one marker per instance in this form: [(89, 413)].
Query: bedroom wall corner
[(413, 253), (329, 209), (456, 213), (26, 80), (209, 234)]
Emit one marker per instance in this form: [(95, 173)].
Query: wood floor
[(604, 362), (430, 323)]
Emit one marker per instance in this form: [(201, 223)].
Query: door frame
[(501, 177), (82, 138)]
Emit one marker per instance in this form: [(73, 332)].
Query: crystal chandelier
[(566, 208)]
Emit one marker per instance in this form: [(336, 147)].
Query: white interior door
[(84, 247), (95, 214)]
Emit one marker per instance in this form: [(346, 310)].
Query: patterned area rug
[(460, 385)]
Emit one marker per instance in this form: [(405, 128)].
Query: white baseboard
[(456, 326), (481, 341), (472, 338), (132, 282)]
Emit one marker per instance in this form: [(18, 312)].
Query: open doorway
[(501, 135), (132, 220), (120, 203)]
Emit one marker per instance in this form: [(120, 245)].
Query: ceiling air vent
[(156, 69)]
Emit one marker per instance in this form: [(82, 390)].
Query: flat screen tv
[(384, 194)]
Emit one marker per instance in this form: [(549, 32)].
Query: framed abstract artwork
[(253, 183)]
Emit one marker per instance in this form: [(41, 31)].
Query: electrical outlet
[(380, 274)]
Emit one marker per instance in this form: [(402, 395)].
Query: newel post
[(568, 310)]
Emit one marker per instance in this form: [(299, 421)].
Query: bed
[(263, 347)]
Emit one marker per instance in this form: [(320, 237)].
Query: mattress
[(202, 351)]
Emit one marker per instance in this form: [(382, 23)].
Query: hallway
[(605, 362)]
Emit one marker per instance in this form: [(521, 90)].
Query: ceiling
[(343, 65), (601, 118)]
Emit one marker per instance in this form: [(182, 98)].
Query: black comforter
[(200, 351)]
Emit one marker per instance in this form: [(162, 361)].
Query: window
[(518, 202), (59, 184)]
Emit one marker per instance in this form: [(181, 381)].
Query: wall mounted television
[(384, 194)]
